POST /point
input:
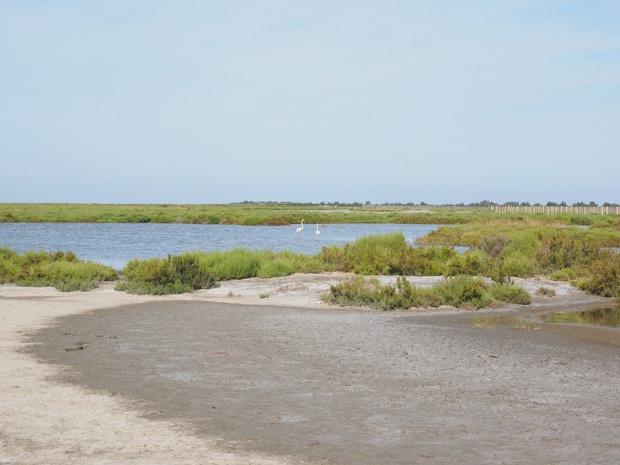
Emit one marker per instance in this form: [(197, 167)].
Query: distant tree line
[(483, 203)]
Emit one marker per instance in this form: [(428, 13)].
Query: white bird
[(298, 230), (318, 233)]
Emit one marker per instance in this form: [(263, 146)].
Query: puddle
[(599, 317)]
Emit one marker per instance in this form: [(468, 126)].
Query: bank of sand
[(299, 382)]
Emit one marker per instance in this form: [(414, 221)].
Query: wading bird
[(298, 230), (318, 233)]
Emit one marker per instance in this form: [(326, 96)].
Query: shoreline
[(44, 421)]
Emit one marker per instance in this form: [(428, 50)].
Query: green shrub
[(7, 254), (333, 258), (604, 277), (354, 291), (564, 274), (424, 261), (459, 291), (387, 254), (8, 271), (173, 275), (62, 270), (464, 291), (69, 284), (474, 262), (564, 249), (200, 270), (510, 294), (376, 255), (519, 265), (580, 220)]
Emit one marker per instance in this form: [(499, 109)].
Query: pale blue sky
[(312, 101)]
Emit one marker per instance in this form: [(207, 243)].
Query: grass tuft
[(483, 322)]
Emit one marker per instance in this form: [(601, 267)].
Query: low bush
[(472, 263), (173, 275), (519, 264), (459, 291), (511, 294), (202, 270), (62, 270), (561, 249), (564, 274), (425, 261), (604, 279), (387, 254)]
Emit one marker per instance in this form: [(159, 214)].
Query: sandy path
[(43, 421)]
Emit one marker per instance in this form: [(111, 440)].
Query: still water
[(116, 244), (599, 317)]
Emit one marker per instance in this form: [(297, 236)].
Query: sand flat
[(295, 381)]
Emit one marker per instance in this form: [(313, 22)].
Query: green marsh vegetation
[(500, 248), (270, 213), (459, 291), (62, 270), (584, 257), (187, 272), (249, 214)]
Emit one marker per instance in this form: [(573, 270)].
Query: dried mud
[(259, 371)]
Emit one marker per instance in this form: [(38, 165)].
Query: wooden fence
[(585, 210), (555, 210)]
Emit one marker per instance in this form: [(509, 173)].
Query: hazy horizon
[(204, 102)]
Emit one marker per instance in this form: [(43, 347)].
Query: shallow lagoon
[(115, 244)]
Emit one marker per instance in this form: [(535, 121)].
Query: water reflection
[(599, 316)]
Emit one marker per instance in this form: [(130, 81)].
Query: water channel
[(115, 244)]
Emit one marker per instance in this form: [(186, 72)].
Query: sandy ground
[(285, 378)]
